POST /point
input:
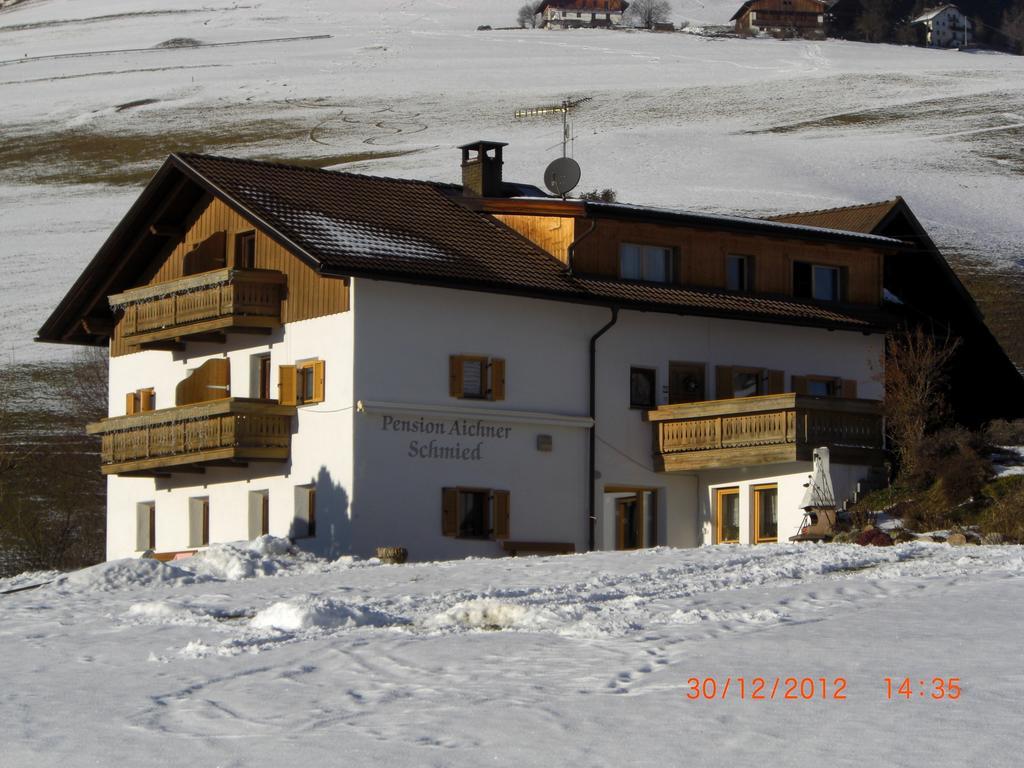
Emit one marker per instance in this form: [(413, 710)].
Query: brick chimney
[(481, 168)]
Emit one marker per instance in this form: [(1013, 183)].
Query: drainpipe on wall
[(592, 509), (572, 246)]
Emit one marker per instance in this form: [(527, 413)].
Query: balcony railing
[(189, 438), (210, 302), (765, 430)]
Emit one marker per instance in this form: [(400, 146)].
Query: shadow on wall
[(330, 506)]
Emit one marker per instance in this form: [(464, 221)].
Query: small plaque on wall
[(544, 443)]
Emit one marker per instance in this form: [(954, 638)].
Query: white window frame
[(837, 282)]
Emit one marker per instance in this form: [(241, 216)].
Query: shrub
[(874, 537), (1004, 432), (953, 458), (1005, 513)]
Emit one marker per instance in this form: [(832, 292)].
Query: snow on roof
[(930, 13)]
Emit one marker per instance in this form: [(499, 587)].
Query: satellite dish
[(562, 176)]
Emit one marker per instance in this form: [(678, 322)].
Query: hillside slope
[(93, 103)]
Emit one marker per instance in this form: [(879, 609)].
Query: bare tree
[(51, 491), (915, 382), (1013, 27), (527, 16), (873, 22), (647, 13)]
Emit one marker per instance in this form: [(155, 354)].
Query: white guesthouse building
[(470, 369), (945, 26)]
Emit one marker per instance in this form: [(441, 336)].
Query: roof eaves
[(737, 223), (55, 327)]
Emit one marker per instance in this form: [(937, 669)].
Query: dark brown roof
[(352, 224), (599, 6), (403, 230), (854, 218)]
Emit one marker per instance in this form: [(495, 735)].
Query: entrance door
[(629, 522), (685, 382)]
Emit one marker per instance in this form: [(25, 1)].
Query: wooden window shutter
[(318, 381), (129, 404), (500, 510), (799, 384), (455, 375), (776, 382), (497, 379), (286, 385), (146, 398), (723, 382), (849, 389), (450, 512)]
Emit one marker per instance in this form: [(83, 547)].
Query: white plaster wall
[(404, 337), (321, 446), (648, 340), (393, 347), (791, 478)]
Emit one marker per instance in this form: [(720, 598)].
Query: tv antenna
[(564, 108)]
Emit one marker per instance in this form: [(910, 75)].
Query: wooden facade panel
[(552, 233), (308, 294), (701, 256)]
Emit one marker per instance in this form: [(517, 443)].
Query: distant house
[(945, 27), (567, 14), (796, 18)]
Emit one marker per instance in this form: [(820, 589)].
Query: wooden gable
[(308, 294)]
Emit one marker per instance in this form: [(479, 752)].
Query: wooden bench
[(516, 548)]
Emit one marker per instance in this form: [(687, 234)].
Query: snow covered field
[(91, 104), (255, 657)]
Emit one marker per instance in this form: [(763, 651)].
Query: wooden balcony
[(771, 429), (207, 305), (189, 438)]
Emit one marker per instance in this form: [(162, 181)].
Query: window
[(475, 513), (650, 263), (140, 400), (245, 250), (636, 516), (208, 255), (210, 381), (199, 521), (766, 513), (304, 521), (825, 283), (259, 373), (727, 516), (825, 386), (816, 281), (145, 526), (259, 514), (741, 381), (302, 383), (641, 387), (737, 273), (685, 382), (474, 377)]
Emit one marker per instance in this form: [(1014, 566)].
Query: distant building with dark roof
[(476, 369), (568, 14), (789, 18)]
